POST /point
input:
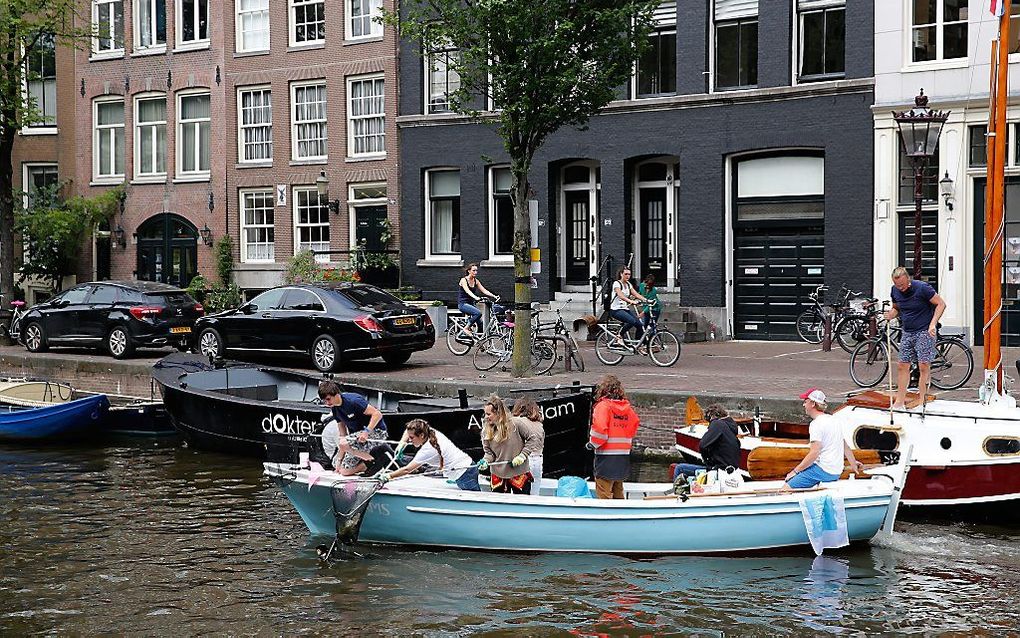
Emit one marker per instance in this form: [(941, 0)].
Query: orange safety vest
[(613, 426)]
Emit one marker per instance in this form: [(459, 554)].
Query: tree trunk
[(6, 223), (521, 358)]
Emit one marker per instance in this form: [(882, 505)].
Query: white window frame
[(112, 178), (354, 204), (446, 51), (292, 5), (324, 121), (940, 60), (375, 30), (241, 126), (268, 192), (352, 119), (665, 24), (136, 25), (113, 51), (41, 128), (197, 175), (429, 256), (197, 43), (238, 30), (322, 259), (137, 136), (26, 169), (798, 40), (491, 196)]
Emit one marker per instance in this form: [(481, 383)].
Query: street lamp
[(946, 190), (322, 185), (206, 234), (919, 130)]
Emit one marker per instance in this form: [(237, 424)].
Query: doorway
[(654, 225), (167, 250), (579, 222)]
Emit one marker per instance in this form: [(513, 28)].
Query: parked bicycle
[(856, 326), (951, 369), (659, 344), (811, 323), (13, 329), (460, 339), (560, 333), (499, 348)]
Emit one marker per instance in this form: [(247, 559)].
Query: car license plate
[(404, 321), (180, 330)]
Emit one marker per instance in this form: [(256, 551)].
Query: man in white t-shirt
[(824, 461)]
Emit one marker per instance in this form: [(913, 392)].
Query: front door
[(370, 227), (653, 232), (578, 242), (167, 250)]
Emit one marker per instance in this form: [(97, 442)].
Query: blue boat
[(63, 420), (426, 511)]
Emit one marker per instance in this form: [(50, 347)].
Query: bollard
[(463, 396), (827, 332), (567, 351)]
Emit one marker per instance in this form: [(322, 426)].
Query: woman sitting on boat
[(436, 450), (508, 443), (355, 429), (528, 410)]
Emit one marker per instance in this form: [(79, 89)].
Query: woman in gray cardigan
[(508, 442)]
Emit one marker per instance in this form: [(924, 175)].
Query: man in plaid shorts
[(919, 308)]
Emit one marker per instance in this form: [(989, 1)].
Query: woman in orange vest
[(613, 426)]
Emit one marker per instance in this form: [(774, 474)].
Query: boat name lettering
[(286, 424), (563, 409), (379, 508)]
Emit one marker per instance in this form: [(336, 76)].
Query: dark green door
[(167, 250), (370, 227)]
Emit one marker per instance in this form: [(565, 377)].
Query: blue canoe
[(65, 419)]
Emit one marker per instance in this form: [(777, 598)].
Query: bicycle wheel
[(607, 355), (576, 360), (869, 363), (850, 332), (952, 366), (491, 352), (664, 348), (809, 325), (543, 356), (457, 340)]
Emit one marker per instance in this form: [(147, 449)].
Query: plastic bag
[(725, 480), (573, 487)]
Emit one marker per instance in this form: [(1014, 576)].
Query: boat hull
[(60, 422)]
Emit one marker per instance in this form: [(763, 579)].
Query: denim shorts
[(917, 346), (811, 477)]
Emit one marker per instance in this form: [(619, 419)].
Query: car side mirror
[(248, 309)]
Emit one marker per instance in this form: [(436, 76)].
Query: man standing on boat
[(919, 308), (356, 428), (824, 460)]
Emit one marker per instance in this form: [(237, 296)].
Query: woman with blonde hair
[(526, 409), (508, 443), (437, 451)]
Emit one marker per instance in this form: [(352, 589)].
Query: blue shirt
[(914, 304), (351, 412)]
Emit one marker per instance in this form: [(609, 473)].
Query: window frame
[(292, 6), (196, 175), (136, 17), (354, 203), (243, 226), (197, 43), (239, 32), (739, 23), (44, 127), (428, 95), (491, 196), (26, 170), (114, 52), (798, 58), (665, 25), (137, 135), (324, 121), (241, 126), (112, 178), (375, 30), (428, 199), (352, 138), (297, 225), (940, 26)]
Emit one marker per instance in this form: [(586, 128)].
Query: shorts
[(374, 438), (811, 477), (918, 346)]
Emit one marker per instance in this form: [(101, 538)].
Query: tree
[(545, 65), (26, 26)]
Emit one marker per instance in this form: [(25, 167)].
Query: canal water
[(153, 538)]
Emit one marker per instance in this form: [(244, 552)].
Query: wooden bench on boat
[(879, 399), (773, 463)]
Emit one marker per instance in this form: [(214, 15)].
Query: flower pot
[(438, 316)]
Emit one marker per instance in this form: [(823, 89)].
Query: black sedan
[(329, 323), (118, 316)]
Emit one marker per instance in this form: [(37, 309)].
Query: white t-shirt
[(825, 428), (617, 303), (331, 438), (453, 457)]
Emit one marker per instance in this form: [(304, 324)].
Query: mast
[(994, 203)]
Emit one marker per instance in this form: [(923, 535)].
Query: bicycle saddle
[(17, 304)]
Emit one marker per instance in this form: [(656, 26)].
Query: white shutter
[(733, 9), (665, 14), (806, 5), (783, 176)]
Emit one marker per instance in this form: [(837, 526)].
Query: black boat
[(247, 409)]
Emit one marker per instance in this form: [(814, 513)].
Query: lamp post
[(919, 130)]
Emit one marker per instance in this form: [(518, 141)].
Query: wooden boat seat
[(880, 399), (773, 463)]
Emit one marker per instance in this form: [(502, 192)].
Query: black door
[(1010, 263), (578, 242), (98, 306), (775, 268), (370, 227), (247, 329), (63, 318), (291, 326), (653, 234), (167, 250)]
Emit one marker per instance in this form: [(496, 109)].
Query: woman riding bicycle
[(648, 290), (469, 292), (625, 297)]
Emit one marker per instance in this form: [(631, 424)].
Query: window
[(929, 179), (108, 24), (822, 39), (656, 71), (41, 81), (104, 294), (442, 228), (150, 24), (978, 145), (501, 213), (193, 130), (309, 121), (311, 222), (39, 184), (303, 300), (366, 116), (736, 54), (308, 22), (150, 137), (108, 141), (361, 22), (75, 295), (192, 21), (258, 234), (256, 122), (1014, 28), (252, 26), (938, 29), (268, 300), (443, 78)]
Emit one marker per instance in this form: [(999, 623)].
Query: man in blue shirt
[(355, 427), (919, 308)]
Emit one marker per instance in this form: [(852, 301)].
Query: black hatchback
[(329, 323), (118, 316)]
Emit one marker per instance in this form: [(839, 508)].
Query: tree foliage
[(544, 64)]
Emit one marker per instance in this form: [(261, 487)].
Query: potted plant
[(437, 313)]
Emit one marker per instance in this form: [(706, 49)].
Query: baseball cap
[(814, 394)]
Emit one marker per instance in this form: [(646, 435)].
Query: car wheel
[(118, 342), (210, 343), (396, 358), (325, 353), (34, 337)]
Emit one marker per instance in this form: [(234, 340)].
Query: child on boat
[(356, 428), (526, 409), (508, 443), (436, 450)]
